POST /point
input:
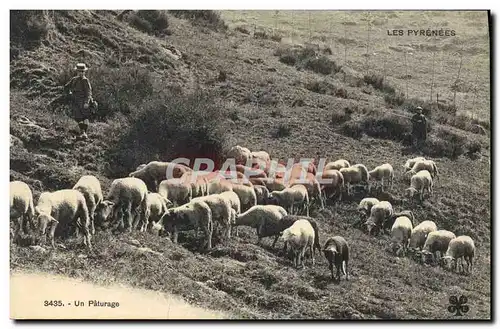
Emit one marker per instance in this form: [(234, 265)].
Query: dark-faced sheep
[(336, 251)]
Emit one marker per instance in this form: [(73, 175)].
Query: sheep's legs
[(275, 240), (346, 271), (330, 266)]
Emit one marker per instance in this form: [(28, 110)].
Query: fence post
[(367, 61), (432, 79), (345, 43), (309, 26), (456, 80), (406, 75)]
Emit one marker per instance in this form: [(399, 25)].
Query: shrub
[(28, 27), (386, 126), (140, 23), (207, 18), (473, 147), (340, 116), (377, 81), (282, 131), (157, 19), (242, 29), (445, 143), (396, 99), (352, 129), (307, 58)]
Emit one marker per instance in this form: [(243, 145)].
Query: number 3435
[(53, 303)]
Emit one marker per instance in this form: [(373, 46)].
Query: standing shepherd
[(80, 90), (419, 131)]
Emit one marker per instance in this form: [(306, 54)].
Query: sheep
[(176, 190), (91, 189), (198, 182), (124, 196), (221, 211), (411, 162), (235, 205), (250, 172), (292, 196), (247, 196), (300, 236), (379, 213), (156, 171), (419, 234), (436, 241), (383, 173), (461, 247), (336, 251), (194, 215), (272, 184), (420, 182), (218, 186), (337, 165), (21, 206), (407, 213), (156, 206), (262, 194), (240, 154), (63, 207), (288, 220), (355, 175), (265, 219), (365, 206), (333, 187), (401, 233), (421, 165), (312, 186), (260, 157)]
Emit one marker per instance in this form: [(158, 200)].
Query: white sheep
[(221, 211), (156, 206), (365, 206), (420, 165), (235, 205), (176, 190), (419, 234), (420, 182), (401, 233), (313, 188), (126, 195), (437, 241), (91, 189), (219, 185), (411, 162), (337, 165), (356, 174), (460, 248), (379, 214), (65, 207), (247, 196), (335, 183), (198, 181), (264, 218), (383, 173), (300, 236), (157, 171), (191, 216), (292, 196), (260, 157), (262, 194), (240, 154), (22, 209)]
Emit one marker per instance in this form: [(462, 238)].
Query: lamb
[(356, 174), (337, 165), (156, 206), (63, 207), (194, 215), (176, 190), (221, 211), (419, 234), (292, 196), (247, 196), (300, 236), (379, 213), (240, 154), (265, 219), (156, 171), (91, 189), (437, 241), (383, 173), (420, 182), (21, 206), (124, 196), (262, 194), (461, 247), (336, 251), (411, 162), (401, 233), (335, 186)]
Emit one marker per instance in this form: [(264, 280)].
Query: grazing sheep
[(365, 206), (260, 157), (288, 220), (401, 233), (221, 211), (22, 209), (461, 247), (176, 190), (240, 154), (407, 213), (300, 236), (335, 186), (272, 184), (337, 165), (292, 196), (247, 196), (219, 185), (437, 241), (379, 214), (156, 171), (198, 181), (336, 251), (262, 194), (428, 165), (192, 216), (265, 219), (383, 173), (312, 186), (419, 234), (420, 182), (411, 162), (91, 189), (124, 196), (356, 174), (249, 172), (65, 207), (235, 202), (156, 206)]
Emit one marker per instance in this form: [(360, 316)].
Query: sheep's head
[(370, 225), (156, 228), (410, 192), (271, 199), (425, 255), (330, 252), (447, 262), (102, 212), (43, 221)]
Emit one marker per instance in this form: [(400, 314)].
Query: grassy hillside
[(238, 86)]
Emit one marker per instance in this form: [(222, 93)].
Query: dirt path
[(29, 291)]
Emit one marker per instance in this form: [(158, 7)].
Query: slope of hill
[(256, 99)]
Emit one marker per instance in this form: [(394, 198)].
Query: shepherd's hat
[(81, 67), (419, 108)]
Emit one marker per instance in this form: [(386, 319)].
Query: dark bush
[(28, 27), (396, 99), (140, 23), (377, 81), (321, 65), (283, 131), (445, 143), (157, 19), (386, 126), (242, 29), (473, 147), (206, 18), (352, 129), (307, 58), (340, 116)]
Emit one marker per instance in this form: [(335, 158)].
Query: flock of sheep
[(269, 197)]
